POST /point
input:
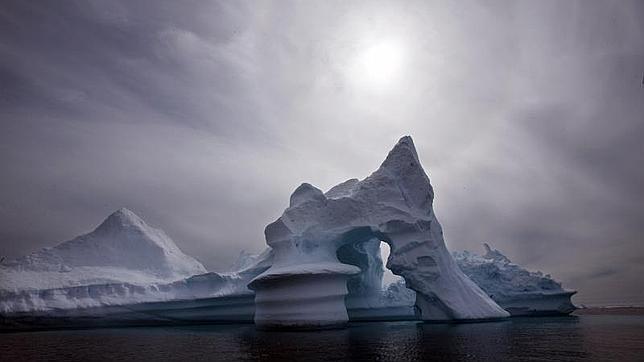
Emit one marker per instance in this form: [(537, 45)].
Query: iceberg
[(123, 248), (322, 267), (306, 285), (516, 289), (123, 261)]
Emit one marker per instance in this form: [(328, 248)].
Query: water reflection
[(557, 338)]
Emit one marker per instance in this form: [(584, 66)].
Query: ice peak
[(494, 254), (120, 219), (125, 212), (305, 192), (403, 172), (405, 146), (402, 156), (487, 248), (406, 141)]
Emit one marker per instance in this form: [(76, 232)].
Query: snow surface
[(393, 204), (121, 249), (123, 260), (47, 281)]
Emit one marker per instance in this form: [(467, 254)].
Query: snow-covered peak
[(121, 219), (401, 177), (122, 241), (123, 216), (402, 155)]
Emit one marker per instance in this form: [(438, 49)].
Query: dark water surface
[(588, 337)]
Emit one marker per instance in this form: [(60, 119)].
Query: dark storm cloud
[(203, 116)]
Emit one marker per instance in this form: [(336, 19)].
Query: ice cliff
[(306, 284)]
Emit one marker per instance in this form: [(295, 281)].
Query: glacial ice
[(514, 288), (121, 249), (122, 261), (306, 284), (323, 266)]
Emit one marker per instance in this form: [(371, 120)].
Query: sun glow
[(379, 65)]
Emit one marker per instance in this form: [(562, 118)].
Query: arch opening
[(388, 276), (375, 293)]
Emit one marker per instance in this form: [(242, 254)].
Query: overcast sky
[(203, 117)]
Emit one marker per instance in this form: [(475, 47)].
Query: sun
[(379, 65)]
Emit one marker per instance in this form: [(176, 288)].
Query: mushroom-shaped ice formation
[(306, 285)]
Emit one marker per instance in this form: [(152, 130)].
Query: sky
[(203, 116)]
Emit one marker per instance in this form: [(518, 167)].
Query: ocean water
[(587, 337)]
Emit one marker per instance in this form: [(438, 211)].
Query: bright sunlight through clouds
[(378, 66)]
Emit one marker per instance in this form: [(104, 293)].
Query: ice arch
[(306, 285)]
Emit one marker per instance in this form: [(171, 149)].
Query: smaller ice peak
[(504, 280), (123, 226), (344, 189), (306, 192), (494, 254), (125, 215), (123, 244), (120, 219)]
